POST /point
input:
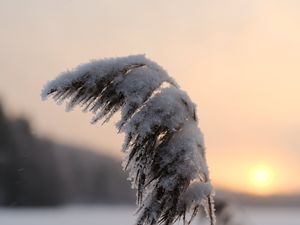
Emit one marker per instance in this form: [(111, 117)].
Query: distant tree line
[(40, 172)]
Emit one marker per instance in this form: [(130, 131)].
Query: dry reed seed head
[(164, 147)]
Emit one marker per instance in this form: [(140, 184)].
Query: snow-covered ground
[(272, 216), (121, 215)]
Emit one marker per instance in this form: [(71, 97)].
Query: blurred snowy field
[(272, 215), (122, 215)]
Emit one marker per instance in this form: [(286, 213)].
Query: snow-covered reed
[(165, 153)]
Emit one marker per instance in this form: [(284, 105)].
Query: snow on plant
[(165, 153)]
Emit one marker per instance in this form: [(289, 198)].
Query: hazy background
[(237, 59)]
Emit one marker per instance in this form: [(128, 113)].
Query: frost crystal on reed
[(164, 147)]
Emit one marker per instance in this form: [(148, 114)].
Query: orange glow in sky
[(261, 179)]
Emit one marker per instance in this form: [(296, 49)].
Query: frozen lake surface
[(122, 215)]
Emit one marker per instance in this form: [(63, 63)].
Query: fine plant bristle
[(163, 144)]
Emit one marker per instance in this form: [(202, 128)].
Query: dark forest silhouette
[(40, 172)]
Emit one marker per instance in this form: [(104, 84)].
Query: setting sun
[(261, 179)]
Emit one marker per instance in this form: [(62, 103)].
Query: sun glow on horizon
[(261, 178)]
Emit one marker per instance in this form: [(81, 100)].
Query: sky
[(237, 59)]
